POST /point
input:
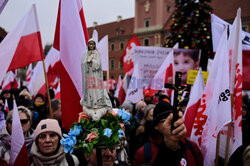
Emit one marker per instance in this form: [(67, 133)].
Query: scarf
[(41, 160)]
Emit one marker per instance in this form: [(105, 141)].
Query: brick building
[(151, 24)]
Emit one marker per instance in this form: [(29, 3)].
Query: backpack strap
[(69, 159), (147, 152)]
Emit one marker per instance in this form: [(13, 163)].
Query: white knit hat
[(47, 125)]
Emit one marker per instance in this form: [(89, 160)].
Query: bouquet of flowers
[(88, 134)]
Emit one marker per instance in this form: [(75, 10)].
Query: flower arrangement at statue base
[(88, 134)]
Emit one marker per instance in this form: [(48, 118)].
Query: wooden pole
[(217, 150), (229, 132), (47, 89)]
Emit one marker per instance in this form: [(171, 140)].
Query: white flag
[(135, 89), (214, 111)]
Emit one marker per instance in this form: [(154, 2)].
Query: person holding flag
[(5, 136)]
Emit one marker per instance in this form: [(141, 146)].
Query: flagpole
[(47, 89), (229, 132), (217, 150)]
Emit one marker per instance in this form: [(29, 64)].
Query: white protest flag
[(235, 55), (104, 52), (118, 86), (135, 89), (95, 36), (37, 83), (23, 45), (18, 151), (194, 102), (214, 111)]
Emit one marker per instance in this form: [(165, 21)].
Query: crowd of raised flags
[(208, 111)]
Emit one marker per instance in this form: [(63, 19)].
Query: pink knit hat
[(47, 125)]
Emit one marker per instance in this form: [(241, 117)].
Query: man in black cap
[(168, 147)]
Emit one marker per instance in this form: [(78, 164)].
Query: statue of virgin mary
[(95, 100)]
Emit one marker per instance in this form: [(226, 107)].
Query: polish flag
[(37, 83), (23, 45), (128, 56), (194, 102), (165, 73), (122, 89), (57, 92), (6, 107), (18, 151), (10, 80), (28, 75), (70, 40)]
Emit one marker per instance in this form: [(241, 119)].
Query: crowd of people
[(149, 137)]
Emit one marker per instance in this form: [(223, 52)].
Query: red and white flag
[(58, 92), (6, 107), (235, 54), (194, 102), (218, 25), (214, 111), (70, 40), (10, 80), (28, 75), (18, 151), (37, 83), (164, 73), (128, 56), (23, 45), (122, 89)]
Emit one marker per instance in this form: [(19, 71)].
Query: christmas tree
[(191, 28)]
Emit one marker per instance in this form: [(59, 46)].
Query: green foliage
[(88, 126)]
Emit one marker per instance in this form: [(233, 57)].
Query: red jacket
[(192, 153)]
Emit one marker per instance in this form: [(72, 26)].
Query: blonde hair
[(22, 109)]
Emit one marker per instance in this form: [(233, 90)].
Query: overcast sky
[(102, 11)]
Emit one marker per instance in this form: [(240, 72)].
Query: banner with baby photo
[(185, 60)]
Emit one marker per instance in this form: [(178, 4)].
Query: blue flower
[(68, 142), (76, 131), (121, 133), (107, 132), (124, 115)]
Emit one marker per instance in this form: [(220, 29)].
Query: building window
[(244, 28), (146, 42), (121, 46), (120, 65), (112, 46), (112, 63), (168, 8), (147, 23)]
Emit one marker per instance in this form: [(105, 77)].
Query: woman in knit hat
[(5, 137), (47, 150)]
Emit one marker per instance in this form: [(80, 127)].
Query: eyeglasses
[(23, 121), (43, 136)]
